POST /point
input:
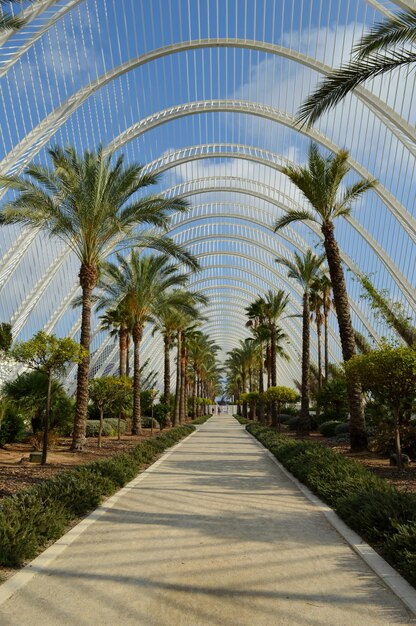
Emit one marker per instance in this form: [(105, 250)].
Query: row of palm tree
[(96, 205)]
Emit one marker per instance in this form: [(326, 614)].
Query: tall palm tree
[(275, 305), (326, 287), (321, 183), (376, 53), (141, 285), (116, 322), (92, 204), (317, 314), (305, 270), (167, 321)]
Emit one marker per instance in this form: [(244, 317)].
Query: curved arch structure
[(205, 95)]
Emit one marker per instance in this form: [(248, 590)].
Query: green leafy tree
[(6, 337), (321, 183), (28, 393), (389, 375), (50, 355), (305, 270), (109, 394), (280, 396), (387, 46), (94, 205)]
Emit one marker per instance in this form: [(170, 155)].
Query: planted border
[(377, 511), (34, 516)]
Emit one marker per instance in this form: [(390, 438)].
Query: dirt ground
[(405, 479), (16, 472)]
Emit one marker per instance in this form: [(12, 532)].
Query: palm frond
[(293, 216), (397, 30), (343, 80)]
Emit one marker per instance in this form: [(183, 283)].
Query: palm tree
[(317, 314), (92, 205), (325, 286), (375, 54), (116, 322), (140, 285), (305, 270), (320, 183), (274, 307), (391, 312), (167, 321)]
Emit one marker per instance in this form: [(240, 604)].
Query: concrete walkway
[(215, 535)]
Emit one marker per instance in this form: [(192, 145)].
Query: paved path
[(215, 535)]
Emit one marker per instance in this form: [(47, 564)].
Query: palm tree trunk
[(47, 414), (176, 416), (359, 440), (123, 332), (326, 348), (273, 356), (88, 280), (182, 393), (194, 392), (304, 411), (128, 353), (319, 335), (166, 375), (136, 427)]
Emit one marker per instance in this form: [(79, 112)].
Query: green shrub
[(292, 423), (376, 514), (93, 427), (201, 419), (327, 429), (12, 427), (147, 422), (400, 549), (113, 422), (242, 420), (26, 523), (342, 429), (283, 418)]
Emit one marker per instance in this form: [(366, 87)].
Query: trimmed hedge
[(328, 429), (371, 506), (34, 516), (201, 419)]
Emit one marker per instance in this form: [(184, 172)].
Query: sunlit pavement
[(215, 535)]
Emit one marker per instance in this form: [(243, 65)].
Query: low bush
[(292, 423), (12, 427), (283, 418), (147, 423), (38, 514), (376, 514), (113, 422), (242, 420), (327, 429), (342, 429), (93, 427), (201, 419), (369, 504), (400, 549)]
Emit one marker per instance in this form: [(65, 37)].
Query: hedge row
[(201, 419), (383, 516), (34, 516)]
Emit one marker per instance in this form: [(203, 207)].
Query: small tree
[(50, 355), (6, 337), (109, 394), (389, 375), (280, 396), (253, 398)]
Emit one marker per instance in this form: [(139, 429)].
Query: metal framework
[(205, 94)]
